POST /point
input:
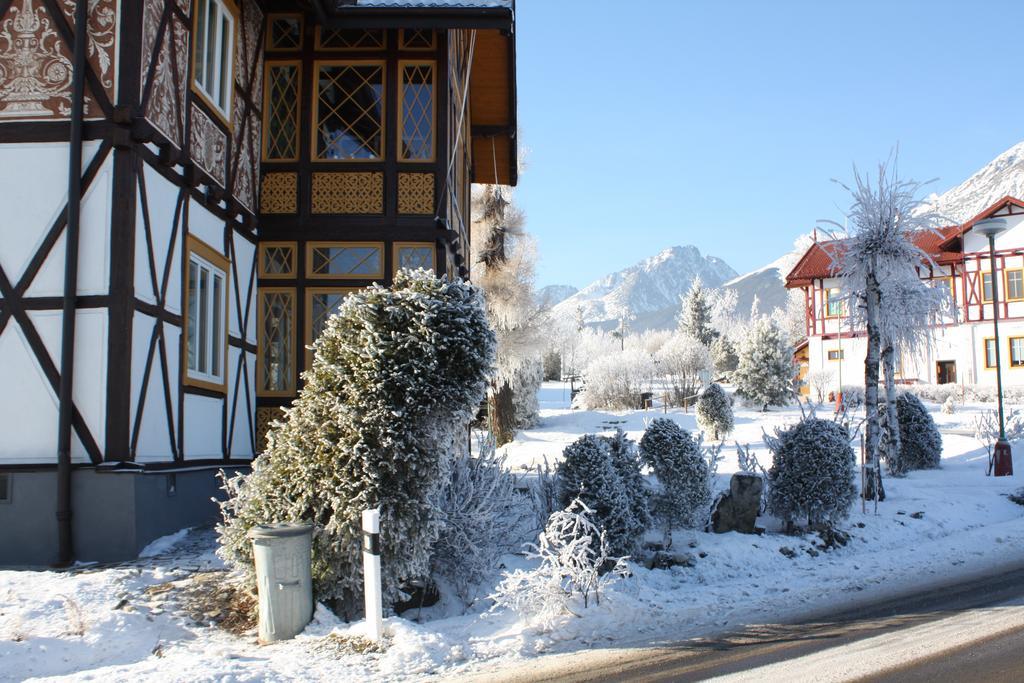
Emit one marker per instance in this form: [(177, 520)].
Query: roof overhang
[(492, 90)]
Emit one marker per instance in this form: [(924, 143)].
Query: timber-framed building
[(189, 193)]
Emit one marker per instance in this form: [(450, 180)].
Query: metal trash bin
[(282, 554)]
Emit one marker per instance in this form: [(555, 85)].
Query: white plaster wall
[(34, 181), (202, 427), (240, 445), (206, 226), (245, 253), (154, 441), (162, 199)]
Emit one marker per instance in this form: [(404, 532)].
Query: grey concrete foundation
[(114, 514)]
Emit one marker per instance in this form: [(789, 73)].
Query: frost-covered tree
[(821, 382), (686, 363), (920, 441), (878, 264), (587, 472), (615, 380), (695, 317), (764, 376), (723, 354), (714, 411), (397, 376), (484, 517), (626, 461), (812, 472), (683, 471), (504, 258)]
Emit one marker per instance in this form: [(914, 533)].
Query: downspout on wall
[(65, 546)]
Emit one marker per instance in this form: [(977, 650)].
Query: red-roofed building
[(963, 350)]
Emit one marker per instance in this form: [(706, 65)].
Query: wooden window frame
[(315, 130), (318, 44), (267, 65), (310, 246), (840, 355), (1009, 344), (207, 253), (984, 352), (291, 390), (307, 328), (402, 63), (223, 114), (405, 48), (828, 295), (398, 246), (1006, 284), (292, 271), (981, 285), (267, 47)]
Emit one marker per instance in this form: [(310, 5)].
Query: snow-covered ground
[(119, 623)]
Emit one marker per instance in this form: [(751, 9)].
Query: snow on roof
[(431, 4)]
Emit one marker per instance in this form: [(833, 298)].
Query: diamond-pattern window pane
[(417, 112), (282, 111), (417, 39), (277, 342), (412, 258), (351, 39), (342, 261), (278, 260), (324, 305), (350, 111), (285, 33)]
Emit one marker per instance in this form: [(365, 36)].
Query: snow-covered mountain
[(1002, 176), (648, 292), (767, 283), (552, 295)]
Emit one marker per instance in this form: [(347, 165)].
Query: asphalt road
[(973, 631)]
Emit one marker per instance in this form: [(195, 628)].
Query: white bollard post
[(371, 575)]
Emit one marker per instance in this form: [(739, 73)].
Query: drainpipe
[(65, 548)]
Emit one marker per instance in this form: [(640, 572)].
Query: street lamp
[(1002, 456)]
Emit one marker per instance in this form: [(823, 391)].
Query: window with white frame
[(1017, 352), (213, 59), (207, 317)]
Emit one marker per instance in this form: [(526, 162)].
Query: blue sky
[(652, 123)]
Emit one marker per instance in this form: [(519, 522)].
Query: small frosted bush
[(714, 412), (684, 472), (920, 441)]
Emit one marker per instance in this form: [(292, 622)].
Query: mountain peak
[(1000, 177)]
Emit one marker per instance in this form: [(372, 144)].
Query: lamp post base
[(1002, 459)]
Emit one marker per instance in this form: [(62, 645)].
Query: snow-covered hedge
[(615, 380), (684, 472), (920, 441), (714, 411), (626, 460), (397, 375), (484, 516), (812, 472), (966, 393), (588, 473)]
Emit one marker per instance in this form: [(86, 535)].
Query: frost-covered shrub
[(764, 376), (723, 355), (714, 411), (821, 383), (587, 472), (528, 379), (397, 375), (920, 441), (683, 470), (484, 517), (853, 396), (686, 363), (812, 472), (626, 461), (949, 406), (616, 379), (574, 555), (970, 393)]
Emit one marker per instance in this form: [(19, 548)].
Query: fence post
[(371, 575)]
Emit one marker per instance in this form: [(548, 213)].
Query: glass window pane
[(217, 325), (325, 305), (350, 111), (202, 330), (417, 112), (1014, 284), (277, 259), (224, 77), (1017, 351), (285, 33), (351, 39), (341, 261), (211, 48), (200, 65), (193, 315), (282, 137), (990, 353), (276, 341), (412, 258), (986, 286)]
